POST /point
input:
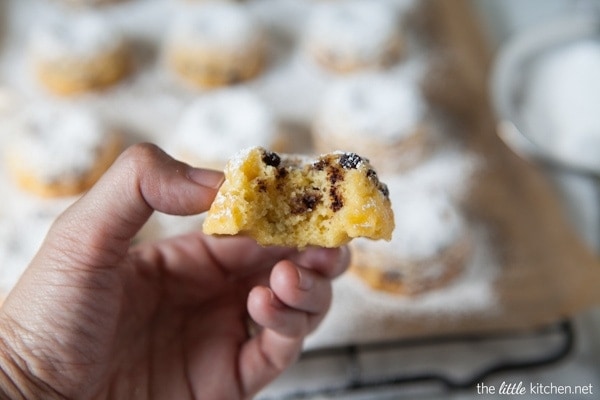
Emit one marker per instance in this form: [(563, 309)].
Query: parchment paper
[(529, 269), (542, 271)]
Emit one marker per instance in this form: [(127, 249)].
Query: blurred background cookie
[(430, 246), (347, 36), (78, 53), (60, 150), (215, 44), (382, 117), (215, 126)]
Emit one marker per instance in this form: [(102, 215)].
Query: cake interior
[(301, 201)]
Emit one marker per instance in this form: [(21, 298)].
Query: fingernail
[(305, 280), (206, 177)]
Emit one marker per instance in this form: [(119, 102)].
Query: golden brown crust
[(68, 186), (212, 68), (69, 77), (346, 65), (411, 277)]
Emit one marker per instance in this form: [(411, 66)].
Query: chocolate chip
[(384, 189), (394, 276), (371, 174), (262, 185), (320, 165), (305, 202), (350, 160), (281, 173), (271, 158), (234, 76), (334, 175), (337, 202)]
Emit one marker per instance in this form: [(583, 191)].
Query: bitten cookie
[(79, 54), (293, 200)]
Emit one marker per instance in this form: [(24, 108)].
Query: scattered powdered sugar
[(348, 159), (359, 314), (216, 24), (428, 219), (427, 222), (54, 141), (73, 36), (449, 169), (425, 203), (224, 212), (149, 105), (372, 104), (358, 29), (217, 124), (561, 105), (237, 160)]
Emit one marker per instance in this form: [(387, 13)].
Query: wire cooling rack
[(447, 363)]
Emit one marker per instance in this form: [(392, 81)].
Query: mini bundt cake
[(351, 36), (216, 125), (382, 116), (60, 150), (79, 53), (216, 44), (431, 247)]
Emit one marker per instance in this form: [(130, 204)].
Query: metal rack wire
[(555, 343)]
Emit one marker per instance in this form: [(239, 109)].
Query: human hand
[(94, 317)]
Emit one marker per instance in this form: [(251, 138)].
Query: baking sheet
[(529, 267)]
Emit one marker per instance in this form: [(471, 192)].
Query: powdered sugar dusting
[(56, 141), (359, 314), (75, 36), (561, 107), (150, 104), (215, 24), (450, 169), (215, 126), (425, 207), (224, 212), (235, 162), (357, 29), (426, 223), (377, 105)]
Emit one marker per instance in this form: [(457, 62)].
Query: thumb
[(101, 224)]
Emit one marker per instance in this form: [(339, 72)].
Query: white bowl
[(511, 78)]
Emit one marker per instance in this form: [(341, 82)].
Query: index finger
[(101, 224)]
